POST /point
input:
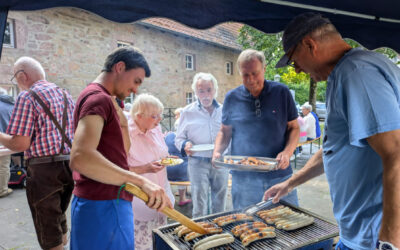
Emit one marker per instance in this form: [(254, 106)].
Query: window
[(229, 68), (130, 98), (9, 35), (189, 97), (189, 62), (123, 44)]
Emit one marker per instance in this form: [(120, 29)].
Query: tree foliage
[(271, 46)]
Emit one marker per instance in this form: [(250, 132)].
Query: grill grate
[(320, 230)]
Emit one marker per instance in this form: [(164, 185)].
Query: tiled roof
[(224, 34)]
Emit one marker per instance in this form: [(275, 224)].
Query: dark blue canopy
[(372, 23)]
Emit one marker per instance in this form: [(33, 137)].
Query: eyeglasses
[(290, 62), (257, 104), (15, 75)]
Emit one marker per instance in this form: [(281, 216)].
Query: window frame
[(189, 98), (121, 44), (191, 62), (11, 25), (229, 68)]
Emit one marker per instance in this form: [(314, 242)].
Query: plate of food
[(247, 163), (202, 147), (170, 161)]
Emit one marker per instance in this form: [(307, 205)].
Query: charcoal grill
[(315, 236)]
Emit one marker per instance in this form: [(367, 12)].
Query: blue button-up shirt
[(198, 126)]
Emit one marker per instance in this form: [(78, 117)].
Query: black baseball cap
[(298, 28)]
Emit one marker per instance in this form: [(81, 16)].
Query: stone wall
[(72, 45)]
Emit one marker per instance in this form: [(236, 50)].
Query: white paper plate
[(202, 147), (173, 161)]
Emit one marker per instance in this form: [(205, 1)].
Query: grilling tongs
[(171, 213)]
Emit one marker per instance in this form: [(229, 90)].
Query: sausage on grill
[(257, 236)]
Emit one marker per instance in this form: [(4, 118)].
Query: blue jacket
[(6, 108)]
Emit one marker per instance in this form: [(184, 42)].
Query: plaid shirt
[(30, 119)]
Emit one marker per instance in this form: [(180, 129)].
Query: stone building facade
[(72, 45)]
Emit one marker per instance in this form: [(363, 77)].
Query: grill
[(321, 231)]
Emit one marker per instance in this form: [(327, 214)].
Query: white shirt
[(309, 121), (198, 126)]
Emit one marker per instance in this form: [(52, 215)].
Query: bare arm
[(387, 146), (86, 160), (152, 167), (17, 143), (314, 167), (222, 140), (124, 125), (283, 157)]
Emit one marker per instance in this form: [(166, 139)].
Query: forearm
[(15, 143), (95, 166), (222, 141), (126, 138), (390, 228), (313, 168), (292, 140)]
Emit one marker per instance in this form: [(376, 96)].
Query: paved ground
[(17, 231)]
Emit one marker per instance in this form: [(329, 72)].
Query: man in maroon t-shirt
[(99, 158)]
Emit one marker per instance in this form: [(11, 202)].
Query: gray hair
[(146, 103), (206, 77), (307, 106), (324, 32), (30, 66), (250, 54)]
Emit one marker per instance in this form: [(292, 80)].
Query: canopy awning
[(372, 23)]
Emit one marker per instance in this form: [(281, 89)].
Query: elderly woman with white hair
[(199, 124), (309, 121), (147, 148)]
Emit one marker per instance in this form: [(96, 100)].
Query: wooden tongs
[(170, 212)]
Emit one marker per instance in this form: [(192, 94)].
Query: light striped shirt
[(198, 126)]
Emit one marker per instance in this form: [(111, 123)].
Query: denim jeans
[(248, 189), (204, 177)]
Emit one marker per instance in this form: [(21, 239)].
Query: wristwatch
[(384, 245)]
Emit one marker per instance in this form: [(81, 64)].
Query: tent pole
[(3, 24), (328, 10)]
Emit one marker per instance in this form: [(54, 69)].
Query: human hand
[(122, 118), (277, 191), (154, 167), (187, 148), (158, 199), (283, 159), (216, 155)]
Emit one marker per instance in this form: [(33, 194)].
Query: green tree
[(271, 46)]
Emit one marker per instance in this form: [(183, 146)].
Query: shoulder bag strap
[(48, 112)]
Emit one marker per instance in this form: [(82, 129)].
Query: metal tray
[(240, 167)]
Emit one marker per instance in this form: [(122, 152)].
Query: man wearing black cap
[(360, 155)]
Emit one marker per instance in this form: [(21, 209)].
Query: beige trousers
[(4, 173)]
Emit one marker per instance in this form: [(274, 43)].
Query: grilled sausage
[(193, 235), (257, 236), (235, 218), (244, 229), (256, 230), (298, 224), (245, 226), (213, 241)]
